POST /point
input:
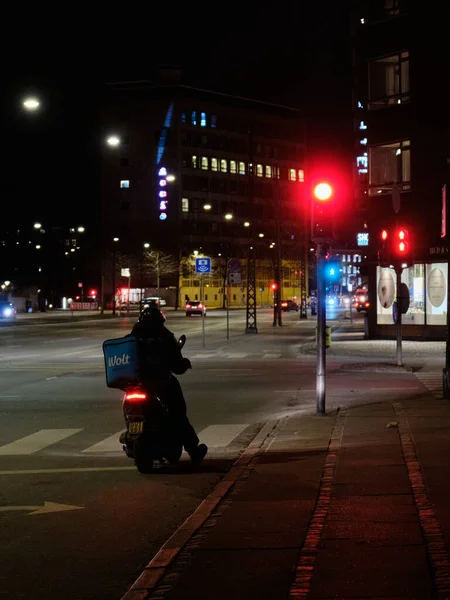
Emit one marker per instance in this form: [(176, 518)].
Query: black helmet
[(152, 316)]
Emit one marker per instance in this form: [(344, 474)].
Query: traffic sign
[(234, 265), (203, 265), (234, 278)]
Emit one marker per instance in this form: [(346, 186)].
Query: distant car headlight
[(330, 300), (7, 312)]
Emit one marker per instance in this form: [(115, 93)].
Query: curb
[(157, 567)]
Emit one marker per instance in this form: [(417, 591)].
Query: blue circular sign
[(163, 216)]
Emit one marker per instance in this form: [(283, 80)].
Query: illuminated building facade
[(202, 171), (401, 126)]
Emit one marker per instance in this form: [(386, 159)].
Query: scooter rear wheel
[(142, 458)]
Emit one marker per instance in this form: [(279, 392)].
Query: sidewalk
[(354, 504)]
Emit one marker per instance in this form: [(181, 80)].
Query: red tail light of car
[(135, 396), (188, 306), (200, 305), (284, 304), (367, 304)]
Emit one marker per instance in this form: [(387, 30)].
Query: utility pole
[(250, 317), (277, 296)]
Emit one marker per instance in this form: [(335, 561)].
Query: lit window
[(389, 80), (205, 164), (214, 165), (292, 175), (194, 162), (223, 165), (194, 118), (184, 204), (124, 183), (301, 175), (183, 117), (202, 119), (389, 164), (233, 168), (268, 171), (343, 258), (213, 121), (241, 168), (259, 171)]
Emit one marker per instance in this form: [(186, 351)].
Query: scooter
[(149, 436)]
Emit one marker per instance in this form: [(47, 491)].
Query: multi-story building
[(190, 170), (402, 149)]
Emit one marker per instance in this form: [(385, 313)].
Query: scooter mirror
[(182, 341)]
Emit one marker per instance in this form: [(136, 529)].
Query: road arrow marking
[(49, 507)]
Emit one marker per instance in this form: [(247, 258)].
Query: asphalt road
[(59, 444)]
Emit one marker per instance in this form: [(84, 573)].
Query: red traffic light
[(401, 242), (93, 293), (323, 191), (274, 286)]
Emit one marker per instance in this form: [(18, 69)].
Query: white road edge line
[(156, 568)]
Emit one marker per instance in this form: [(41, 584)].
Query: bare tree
[(157, 264)]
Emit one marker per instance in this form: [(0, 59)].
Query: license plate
[(136, 427)]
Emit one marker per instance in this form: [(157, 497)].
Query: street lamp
[(37, 225), (228, 216), (31, 104), (113, 140), (207, 206), (246, 224), (170, 178), (145, 245), (81, 229), (115, 240)]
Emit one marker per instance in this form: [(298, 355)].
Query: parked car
[(195, 308), (7, 311), (287, 305)]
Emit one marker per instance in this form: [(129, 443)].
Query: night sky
[(291, 54)]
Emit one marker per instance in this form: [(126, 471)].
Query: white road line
[(67, 470), (218, 436), (269, 355), (236, 355), (6, 396), (36, 441), (109, 444), (197, 356)]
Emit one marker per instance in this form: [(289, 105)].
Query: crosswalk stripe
[(217, 436), (36, 441), (109, 444)]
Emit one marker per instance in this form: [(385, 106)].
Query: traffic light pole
[(398, 272), (321, 333)]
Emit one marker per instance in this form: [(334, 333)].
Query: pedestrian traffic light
[(322, 212), (401, 247)]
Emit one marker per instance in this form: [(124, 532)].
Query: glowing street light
[(37, 225), (113, 140), (146, 245), (31, 104), (261, 235), (170, 178), (81, 229), (246, 224), (38, 247), (228, 216), (116, 239), (207, 206)]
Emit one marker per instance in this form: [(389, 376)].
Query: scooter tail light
[(135, 396)]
